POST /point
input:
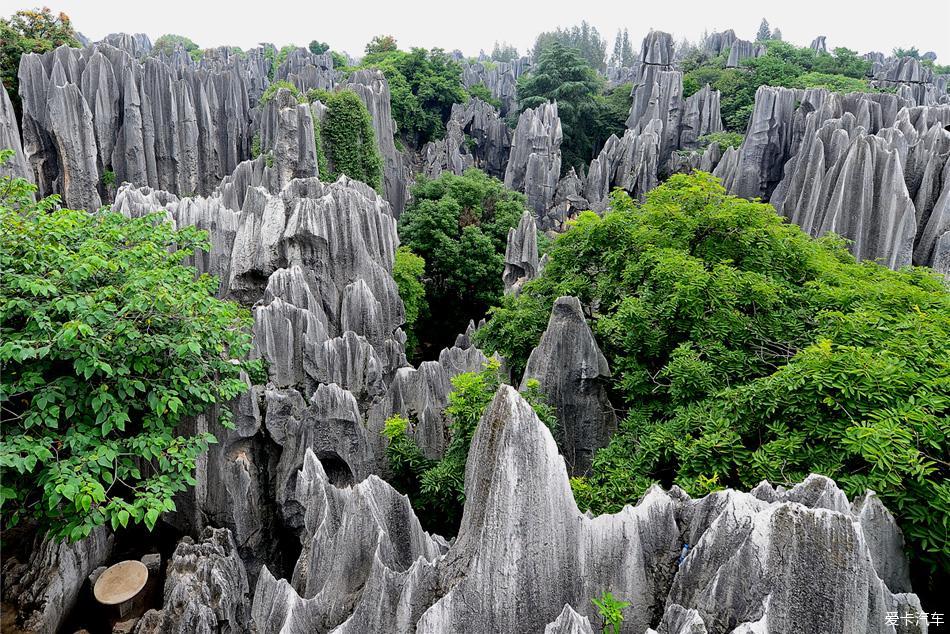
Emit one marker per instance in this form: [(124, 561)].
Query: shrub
[(611, 611), (724, 139), (272, 89), (350, 140), (110, 342), (408, 272), (166, 44)]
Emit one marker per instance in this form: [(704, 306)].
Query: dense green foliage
[(783, 65), (408, 272), (746, 350), (109, 343), (272, 89), (504, 52), (480, 91), (562, 75), (583, 38), (724, 139), (166, 44), (317, 47), (436, 488), (348, 139), (381, 44), (622, 55), (36, 31), (459, 226), (423, 85), (611, 612)]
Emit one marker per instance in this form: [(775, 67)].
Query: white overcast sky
[(348, 24)]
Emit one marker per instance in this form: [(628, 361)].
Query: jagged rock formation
[(501, 79), (308, 71), (90, 111), (573, 374), (756, 168), (569, 622), (717, 43), (491, 137), (448, 154), (741, 50), (373, 89), (534, 165), (17, 165), (819, 44), (631, 163), (138, 45), (569, 201), (316, 259), (772, 559), (871, 176), (46, 587), (206, 589), (700, 117), (421, 394), (913, 80), (521, 254), (359, 544), (785, 567), (659, 117)]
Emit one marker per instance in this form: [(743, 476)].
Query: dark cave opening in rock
[(338, 471)]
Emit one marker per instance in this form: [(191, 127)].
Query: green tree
[(381, 44), (459, 226), (318, 48), (745, 350), (348, 138), (583, 38), (562, 75), (623, 55), (36, 31), (408, 272), (763, 34), (423, 85), (504, 52), (907, 52), (110, 342), (166, 44)]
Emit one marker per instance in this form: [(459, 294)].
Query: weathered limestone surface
[(356, 542), (521, 254), (45, 588), (534, 165), (569, 622), (17, 165), (490, 136), (206, 589), (874, 177), (756, 168), (631, 163), (573, 374), (500, 78), (164, 123), (718, 42), (741, 50)]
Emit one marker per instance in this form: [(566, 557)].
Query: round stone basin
[(120, 582)]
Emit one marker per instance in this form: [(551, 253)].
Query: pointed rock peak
[(569, 622)]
